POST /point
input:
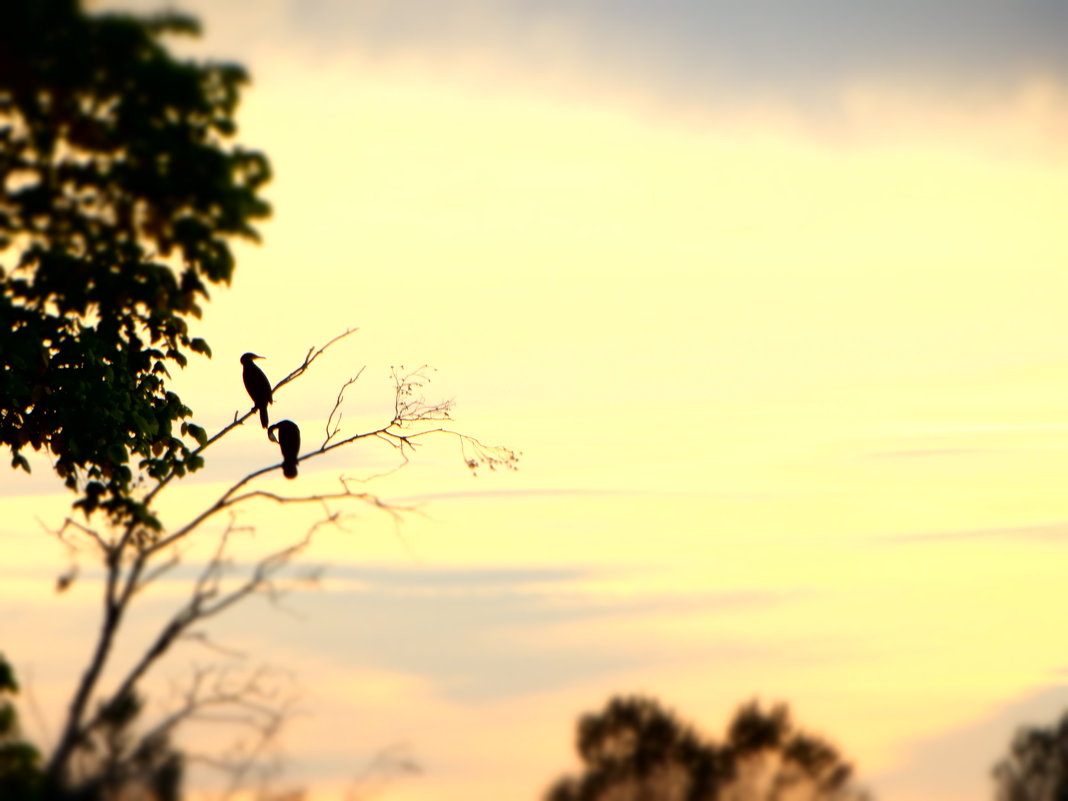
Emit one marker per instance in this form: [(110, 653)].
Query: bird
[(259, 388), (289, 440)]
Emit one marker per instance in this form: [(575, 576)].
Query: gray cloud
[(485, 634), (693, 53), (695, 46)]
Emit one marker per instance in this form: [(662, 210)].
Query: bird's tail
[(263, 416), (289, 469)]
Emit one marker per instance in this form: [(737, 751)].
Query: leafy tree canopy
[(119, 197)]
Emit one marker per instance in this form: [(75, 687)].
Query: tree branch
[(128, 555), (332, 431), (309, 359)]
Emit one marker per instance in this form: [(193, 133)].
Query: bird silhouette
[(289, 441), (259, 388)]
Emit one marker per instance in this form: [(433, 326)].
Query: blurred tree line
[(636, 750)]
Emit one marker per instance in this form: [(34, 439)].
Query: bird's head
[(270, 433), (248, 357)]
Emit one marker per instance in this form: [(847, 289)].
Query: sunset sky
[(770, 296)]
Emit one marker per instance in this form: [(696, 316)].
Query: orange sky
[(787, 372)]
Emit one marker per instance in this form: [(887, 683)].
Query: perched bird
[(289, 440), (259, 388)]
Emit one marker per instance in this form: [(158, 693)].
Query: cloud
[(485, 634), (928, 453), (714, 46), (832, 67), (1051, 532)]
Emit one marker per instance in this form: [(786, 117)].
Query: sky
[(769, 298)]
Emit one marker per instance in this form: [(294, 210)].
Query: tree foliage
[(1036, 767), (20, 762), (119, 196), (635, 750), (117, 764)]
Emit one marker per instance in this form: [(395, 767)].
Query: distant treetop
[(635, 750)]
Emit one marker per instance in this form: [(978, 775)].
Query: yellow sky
[(790, 399)]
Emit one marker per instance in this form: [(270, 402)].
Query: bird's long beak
[(270, 434)]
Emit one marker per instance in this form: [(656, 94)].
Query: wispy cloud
[(481, 634), (544, 492), (927, 453), (1051, 532)]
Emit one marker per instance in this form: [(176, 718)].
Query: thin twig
[(331, 432)]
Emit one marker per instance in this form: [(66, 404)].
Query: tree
[(20, 762), (1036, 767), (154, 770), (635, 750), (118, 197), (120, 194)]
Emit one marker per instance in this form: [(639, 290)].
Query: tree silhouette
[(119, 197), (1036, 767), (152, 770), (635, 750), (20, 762)]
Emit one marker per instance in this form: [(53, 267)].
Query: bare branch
[(389, 764), (410, 407), (252, 699), (159, 570), (333, 428), (206, 601), (203, 639), (311, 356), (476, 453), (229, 499), (132, 558), (116, 601), (70, 523), (255, 705)]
